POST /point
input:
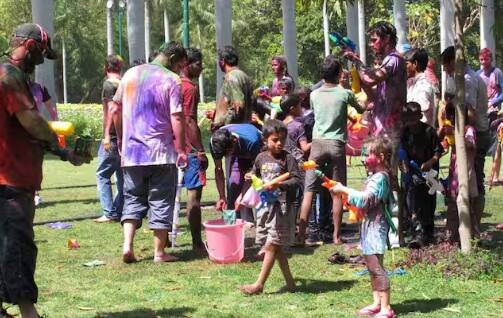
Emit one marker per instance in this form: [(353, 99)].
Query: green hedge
[(87, 119)]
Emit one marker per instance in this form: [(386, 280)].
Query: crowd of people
[(150, 132)]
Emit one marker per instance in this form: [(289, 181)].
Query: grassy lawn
[(195, 287)]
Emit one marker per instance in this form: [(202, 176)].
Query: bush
[(87, 119)]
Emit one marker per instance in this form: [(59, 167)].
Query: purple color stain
[(59, 225)]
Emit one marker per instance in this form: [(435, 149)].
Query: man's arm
[(114, 118), (220, 183), (36, 126), (372, 77), (178, 124)]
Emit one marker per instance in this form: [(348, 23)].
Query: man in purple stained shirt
[(153, 145), (386, 88)]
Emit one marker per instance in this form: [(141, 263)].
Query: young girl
[(373, 200), (274, 217)]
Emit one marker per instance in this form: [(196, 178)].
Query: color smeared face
[(411, 68), (485, 60), (276, 67), (275, 142), (378, 44)]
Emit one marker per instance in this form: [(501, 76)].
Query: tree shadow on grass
[(423, 305), (315, 286), (46, 204), (149, 313)]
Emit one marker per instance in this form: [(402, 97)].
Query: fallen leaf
[(85, 308)]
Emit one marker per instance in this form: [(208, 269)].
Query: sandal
[(337, 258), (369, 311)]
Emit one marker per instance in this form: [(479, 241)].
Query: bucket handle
[(241, 246)]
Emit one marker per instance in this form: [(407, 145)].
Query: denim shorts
[(18, 252), (150, 191)]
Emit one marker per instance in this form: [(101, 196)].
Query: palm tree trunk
[(223, 22), (400, 18), (361, 31), (290, 37), (446, 31), (352, 22), (487, 26), (110, 31), (166, 26), (135, 30), (462, 200), (43, 14), (326, 28), (147, 29)]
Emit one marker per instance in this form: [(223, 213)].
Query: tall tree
[(463, 200), (487, 26), (135, 30), (446, 31), (223, 22), (290, 37), (352, 22), (43, 14), (361, 31), (110, 27), (400, 19), (147, 29)]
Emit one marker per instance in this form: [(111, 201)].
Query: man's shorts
[(18, 253), (330, 155), (194, 176), (150, 190)]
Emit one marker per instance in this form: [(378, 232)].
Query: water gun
[(355, 80), (355, 214), (342, 41), (429, 178), (62, 129), (259, 185)]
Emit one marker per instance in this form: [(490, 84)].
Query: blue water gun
[(342, 41)]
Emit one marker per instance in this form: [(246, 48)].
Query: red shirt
[(20, 155), (190, 99)]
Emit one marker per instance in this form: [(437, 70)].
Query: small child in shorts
[(274, 216)]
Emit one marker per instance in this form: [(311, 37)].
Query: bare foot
[(165, 258), (128, 257), (338, 241), (251, 289)]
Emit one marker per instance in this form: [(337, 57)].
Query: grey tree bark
[(487, 26), (135, 30), (352, 22), (223, 22), (361, 31), (290, 38), (110, 30), (326, 28), (43, 14), (463, 200), (147, 29), (446, 31), (400, 18), (166, 26)]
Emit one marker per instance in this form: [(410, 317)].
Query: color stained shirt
[(494, 84), (330, 106), (476, 99), (110, 86), (149, 94), (20, 155), (420, 90), (236, 94), (190, 100), (391, 95)]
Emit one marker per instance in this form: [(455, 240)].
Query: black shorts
[(18, 253)]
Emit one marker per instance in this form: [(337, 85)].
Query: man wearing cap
[(24, 135)]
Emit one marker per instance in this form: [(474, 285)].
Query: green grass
[(195, 287)]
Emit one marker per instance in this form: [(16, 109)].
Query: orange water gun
[(355, 214), (62, 129)]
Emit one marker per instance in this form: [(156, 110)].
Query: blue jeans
[(109, 162)]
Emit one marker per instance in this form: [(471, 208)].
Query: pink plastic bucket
[(225, 243)]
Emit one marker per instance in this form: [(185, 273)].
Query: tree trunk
[(223, 29), (352, 22), (326, 28), (110, 31), (400, 18), (361, 31), (446, 31), (43, 14), (135, 30), (147, 29), (166, 26), (63, 57), (290, 38), (463, 200), (487, 26)]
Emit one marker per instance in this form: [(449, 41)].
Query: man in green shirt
[(330, 106)]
